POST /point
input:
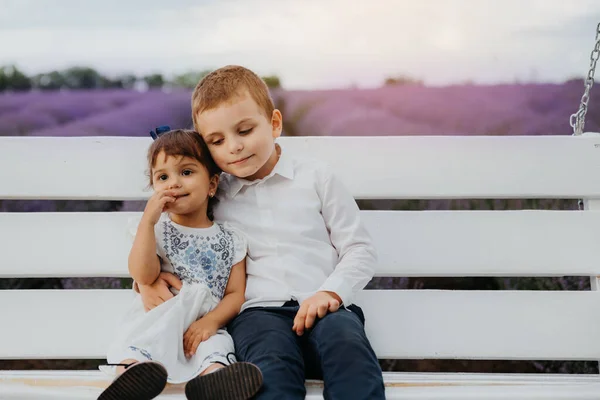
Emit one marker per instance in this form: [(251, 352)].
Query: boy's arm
[(357, 255), (144, 264), (225, 311)]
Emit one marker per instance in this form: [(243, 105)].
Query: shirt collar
[(284, 168)]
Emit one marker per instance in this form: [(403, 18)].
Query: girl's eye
[(217, 142), (162, 177), (186, 172), (245, 132)]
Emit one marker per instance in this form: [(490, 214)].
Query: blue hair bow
[(159, 131)]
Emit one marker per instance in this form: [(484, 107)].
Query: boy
[(308, 252)]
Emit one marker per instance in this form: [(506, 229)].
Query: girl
[(182, 340)]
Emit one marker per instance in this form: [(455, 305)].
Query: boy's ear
[(276, 123)]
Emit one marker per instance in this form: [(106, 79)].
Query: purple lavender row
[(457, 110), (396, 110), (134, 119)]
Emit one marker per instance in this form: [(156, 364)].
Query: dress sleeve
[(134, 222), (240, 244), (132, 225)]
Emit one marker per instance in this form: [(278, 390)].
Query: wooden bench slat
[(410, 243), (412, 324), (486, 243), (389, 167)]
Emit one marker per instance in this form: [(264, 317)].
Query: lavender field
[(92, 113), (528, 109)]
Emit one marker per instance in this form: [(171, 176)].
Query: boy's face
[(240, 137)]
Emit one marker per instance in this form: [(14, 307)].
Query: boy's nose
[(235, 146)]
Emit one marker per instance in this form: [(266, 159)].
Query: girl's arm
[(225, 311), (235, 295), (144, 264)]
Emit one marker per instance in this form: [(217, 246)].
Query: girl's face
[(187, 178)]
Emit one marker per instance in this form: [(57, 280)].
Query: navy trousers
[(335, 350)]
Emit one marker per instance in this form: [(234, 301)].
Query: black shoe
[(140, 381), (238, 381)]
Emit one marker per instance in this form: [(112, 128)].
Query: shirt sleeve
[(357, 256)]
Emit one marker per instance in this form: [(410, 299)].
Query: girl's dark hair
[(186, 143)]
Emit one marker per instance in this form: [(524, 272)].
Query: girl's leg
[(137, 381), (212, 368), (221, 377), (238, 381), (125, 364)]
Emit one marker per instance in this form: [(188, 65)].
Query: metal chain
[(578, 119)]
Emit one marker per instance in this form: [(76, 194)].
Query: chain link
[(577, 120)]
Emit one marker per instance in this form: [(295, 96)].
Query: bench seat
[(403, 324), (83, 385)]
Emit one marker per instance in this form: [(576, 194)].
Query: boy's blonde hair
[(224, 84)]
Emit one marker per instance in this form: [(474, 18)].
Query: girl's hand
[(158, 203), (198, 332)]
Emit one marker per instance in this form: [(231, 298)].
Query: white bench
[(402, 324)]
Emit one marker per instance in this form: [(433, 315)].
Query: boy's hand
[(158, 292), (318, 305), (198, 332), (158, 203)]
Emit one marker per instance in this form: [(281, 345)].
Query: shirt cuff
[(339, 287)]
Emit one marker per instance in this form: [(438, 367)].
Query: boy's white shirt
[(304, 233)]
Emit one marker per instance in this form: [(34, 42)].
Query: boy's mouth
[(241, 160)]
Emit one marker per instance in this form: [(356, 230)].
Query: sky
[(309, 44)]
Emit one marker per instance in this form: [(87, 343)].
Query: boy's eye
[(186, 172), (218, 141), (245, 132)]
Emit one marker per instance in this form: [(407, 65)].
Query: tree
[(82, 78), (154, 81), (402, 80), (53, 80), (272, 81), (3, 80), (11, 78), (127, 81), (189, 79)]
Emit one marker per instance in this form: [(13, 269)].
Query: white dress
[(202, 258)]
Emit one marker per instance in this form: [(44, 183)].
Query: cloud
[(75, 14), (310, 43)]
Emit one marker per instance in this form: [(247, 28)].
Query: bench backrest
[(402, 324)]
